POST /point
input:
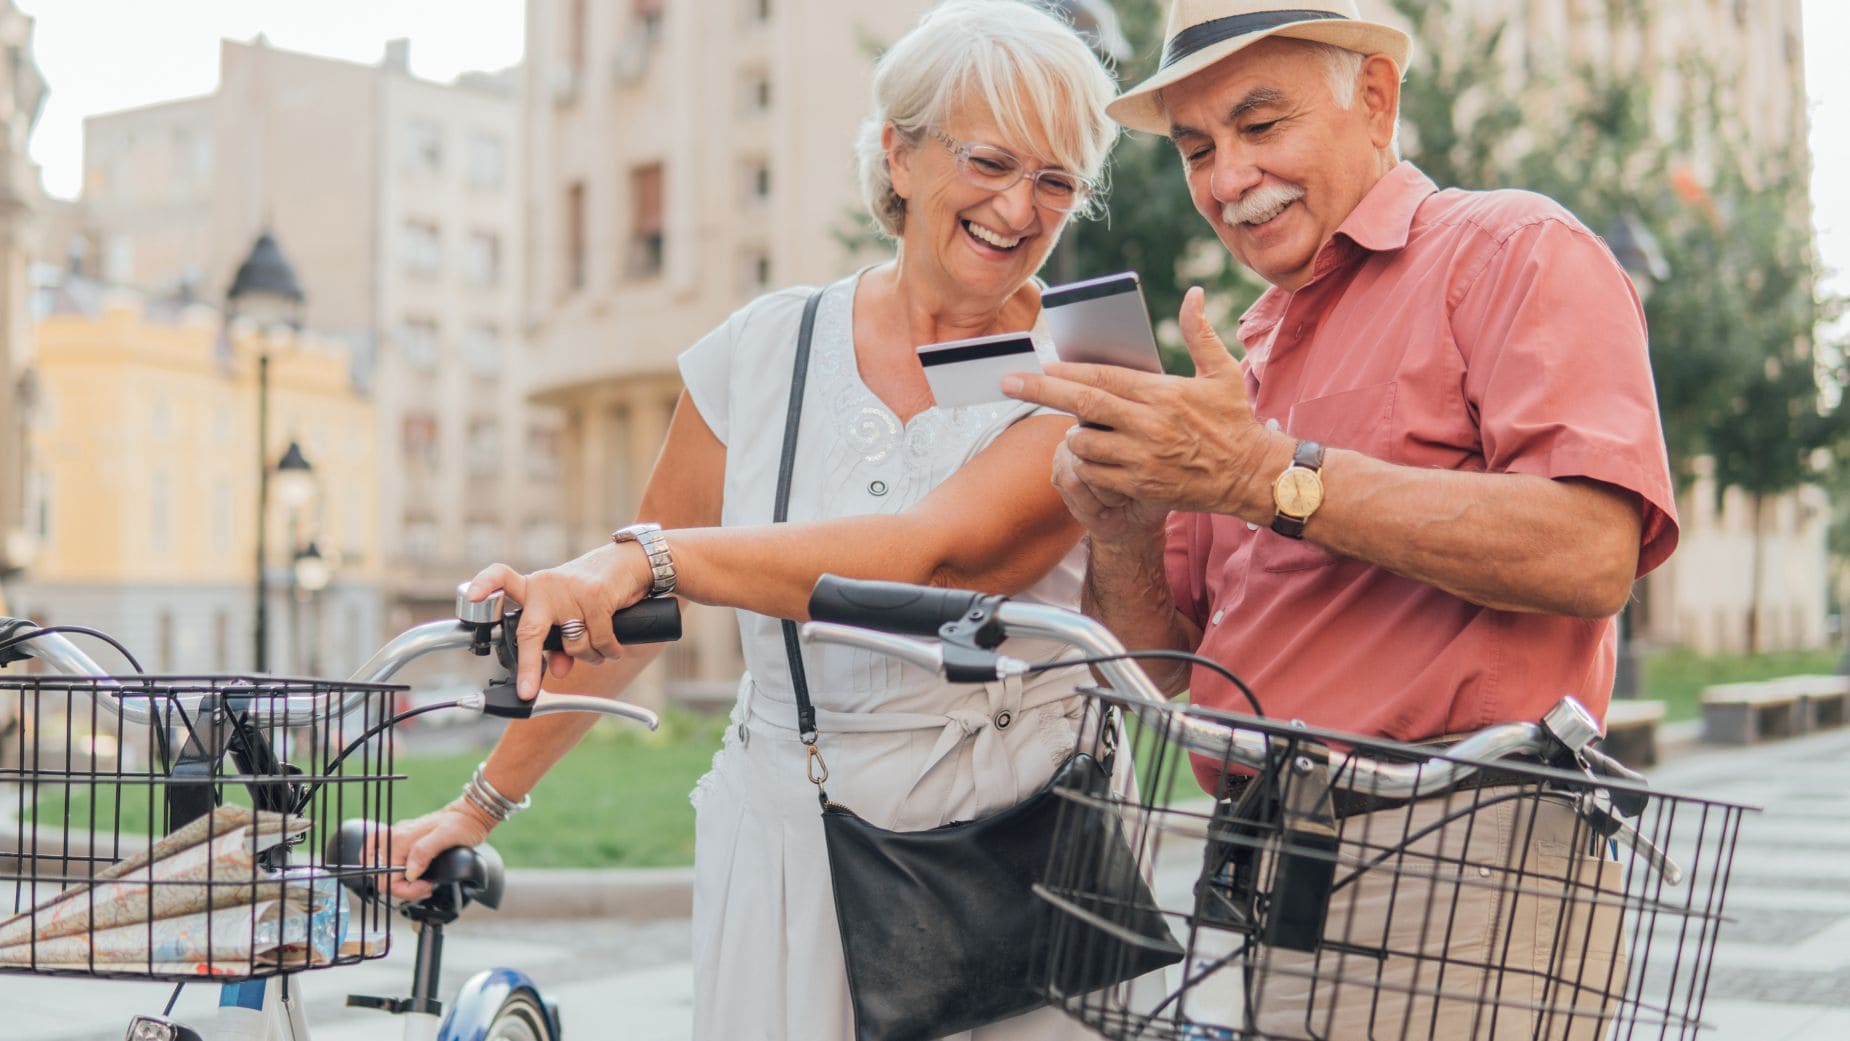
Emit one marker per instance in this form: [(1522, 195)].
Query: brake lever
[(1613, 827)]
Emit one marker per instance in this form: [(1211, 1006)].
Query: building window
[(482, 258), (756, 178), (423, 148), (754, 270), (575, 237), (419, 345), (160, 509), (221, 516), (646, 236), (420, 440), (423, 248), (543, 540), (484, 448), (487, 161), (221, 641), (649, 18), (482, 542), (481, 349), (545, 459), (577, 32), (755, 92), (420, 538), (38, 506)]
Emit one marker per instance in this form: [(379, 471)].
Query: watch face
[(1297, 492)]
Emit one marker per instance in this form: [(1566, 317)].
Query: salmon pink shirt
[(1477, 331)]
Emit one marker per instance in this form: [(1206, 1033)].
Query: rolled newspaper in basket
[(105, 875)]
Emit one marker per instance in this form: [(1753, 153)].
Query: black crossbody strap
[(799, 681)]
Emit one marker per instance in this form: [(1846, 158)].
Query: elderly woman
[(988, 133)]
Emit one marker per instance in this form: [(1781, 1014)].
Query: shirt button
[(1003, 719), (1217, 617), (876, 488), (1272, 424), (1250, 526)]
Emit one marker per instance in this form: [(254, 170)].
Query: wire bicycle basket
[(190, 847), (1504, 907)]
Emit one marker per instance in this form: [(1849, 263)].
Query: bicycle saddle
[(462, 875)]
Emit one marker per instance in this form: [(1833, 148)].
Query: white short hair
[(1344, 69), (1024, 65)]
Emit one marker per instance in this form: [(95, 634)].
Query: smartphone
[(969, 372), (1102, 321)]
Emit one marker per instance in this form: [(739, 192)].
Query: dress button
[(1217, 616), (1250, 526), (1003, 719), (1272, 424), (876, 487)]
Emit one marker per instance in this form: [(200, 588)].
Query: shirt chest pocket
[(1360, 420)]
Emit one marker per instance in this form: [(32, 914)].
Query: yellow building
[(142, 487)]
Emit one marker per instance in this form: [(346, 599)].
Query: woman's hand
[(589, 589), (416, 842)]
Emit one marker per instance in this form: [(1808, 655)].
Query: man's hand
[(1107, 516), (1175, 443)]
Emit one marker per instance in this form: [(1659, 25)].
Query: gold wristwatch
[(1298, 491)]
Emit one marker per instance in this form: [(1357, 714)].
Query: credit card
[(969, 372)]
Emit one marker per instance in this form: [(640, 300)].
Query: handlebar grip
[(893, 607), (654, 620)]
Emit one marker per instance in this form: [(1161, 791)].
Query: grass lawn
[(618, 800), (1676, 677)]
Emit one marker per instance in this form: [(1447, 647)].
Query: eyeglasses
[(997, 170)]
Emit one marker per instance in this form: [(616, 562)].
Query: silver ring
[(571, 629)]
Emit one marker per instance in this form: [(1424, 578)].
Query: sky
[(106, 55)]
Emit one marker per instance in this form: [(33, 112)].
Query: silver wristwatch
[(655, 544)]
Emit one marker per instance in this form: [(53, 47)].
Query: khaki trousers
[(1489, 915)]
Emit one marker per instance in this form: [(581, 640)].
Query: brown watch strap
[(1308, 456)]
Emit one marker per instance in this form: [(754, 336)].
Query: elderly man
[(1416, 506)]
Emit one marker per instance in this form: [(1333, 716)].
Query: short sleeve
[(706, 369), (1185, 564), (1557, 368)]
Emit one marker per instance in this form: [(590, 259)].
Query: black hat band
[(1206, 34)]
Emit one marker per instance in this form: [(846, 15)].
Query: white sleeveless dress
[(905, 750)]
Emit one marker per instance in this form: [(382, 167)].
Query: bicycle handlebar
[(893, 607), (655, 620), (847, 604)]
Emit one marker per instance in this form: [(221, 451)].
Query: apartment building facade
[(683, 158), (22, 97), (142, 490), (398, 202)]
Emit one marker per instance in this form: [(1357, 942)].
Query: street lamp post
[(267, 292), (1637, 251), (312, 573)]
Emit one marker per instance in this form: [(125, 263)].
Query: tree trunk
[(1753, 582)]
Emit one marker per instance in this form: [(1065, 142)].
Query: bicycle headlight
[(159, 1028)]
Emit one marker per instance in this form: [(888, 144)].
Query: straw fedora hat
[(1202, 32)]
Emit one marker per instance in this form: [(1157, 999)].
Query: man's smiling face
[(1274, 162)]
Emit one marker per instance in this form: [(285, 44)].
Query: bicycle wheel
[(519, 1018)]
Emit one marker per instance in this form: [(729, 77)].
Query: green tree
[(1150, 225), (1734, 321)]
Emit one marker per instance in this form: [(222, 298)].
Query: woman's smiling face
[(982, 242)]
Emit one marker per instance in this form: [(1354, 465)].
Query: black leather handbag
[(941, 928)]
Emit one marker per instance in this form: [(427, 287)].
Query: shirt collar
[(1383, 220)]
